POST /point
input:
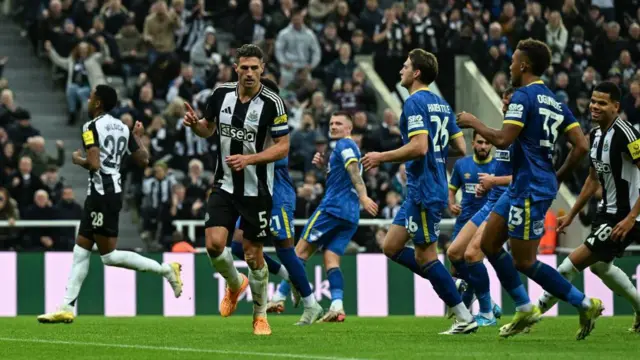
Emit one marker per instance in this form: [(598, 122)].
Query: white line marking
[(178, 349)]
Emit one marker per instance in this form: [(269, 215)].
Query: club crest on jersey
[(467, 176), (253, 116), (237, 134), (606, 146)]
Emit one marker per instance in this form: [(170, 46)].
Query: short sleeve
[(455, 182), (211, 109), (90, 136), (280, 125), (416, 118), (348, 152), (632, 137), (453, 128), (569, 121), (517, 110)]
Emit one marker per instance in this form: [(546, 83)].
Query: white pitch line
[(178, 349)]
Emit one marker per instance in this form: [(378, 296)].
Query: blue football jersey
[(340, 198), (465, 177), (543, 119), (502, 168), (450, 132), (425, 113), (284, 194)]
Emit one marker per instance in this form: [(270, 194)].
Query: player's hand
[(138, 129), (369, 205), (371, 160), (237, 162), (563, 223), (480, 190), (318, 160), (487, 181), (455, 209), (59, 144), (76, 157), (190, 118), (466, 120), (622, 228), (47, 46)]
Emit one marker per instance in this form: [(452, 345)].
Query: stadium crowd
[(160, 54)]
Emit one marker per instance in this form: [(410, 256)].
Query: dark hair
[(343, 113), (427, 63), (249, 50), (108, 97), (270, 84), (474, 134), (538, 55), (608, 87)]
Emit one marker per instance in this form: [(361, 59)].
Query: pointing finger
[(188, 106)]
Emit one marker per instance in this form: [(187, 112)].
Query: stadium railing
[(474, 94)]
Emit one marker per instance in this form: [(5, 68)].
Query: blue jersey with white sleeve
[(542, 118), (340, 198), (284, 194), (465, 177), (503, 168), (425, 113)]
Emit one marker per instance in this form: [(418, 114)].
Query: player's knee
[(523, 265), (455, 254), (214, 247), (473, 254), (110, 259), (600, 268), (390, 249)]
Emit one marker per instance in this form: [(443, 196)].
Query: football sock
[(479, 281), (555, 284), (407, 258), (79, 271), (502, 262), (295, 269), (284, 289), (258, 281), (462, 271), (336, 287), (274, 267), (134, 261), (442, 282), (618, 281), (565, 269), (224, 266)]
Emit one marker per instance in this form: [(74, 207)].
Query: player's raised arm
[(580, 145), (201, 127), (91, 141), (139, 153)]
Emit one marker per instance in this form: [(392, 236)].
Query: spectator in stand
[(425, 29), (340, 69), (186, 85), (42, 238), (399, 181), (358, 44), (255, 27), (67, 209), (557, 37), (196, 183), (308, 196), (53, 183), (531, 24), (67, 39), (344, 20), (145, 106), (571, 14), (159, 28), (84, 72), (8, 162), (8, 212), (500, 82), (362, 126), (302, 143), (391, 41), (51, 23), (388, 136), (499, 51), (630, 105), (23, 184), (589, 80), (370, 17), (607, 47), (204, 55), (22, 129), (508, 21), (133, 50), (625, 67), (320, 9), (297, 47), (281, 17), (35, 150), (392, 205), (195, 23), (581, 111), (84, 13), (156, 203), (115, 16), (8, 109), (329, 44)]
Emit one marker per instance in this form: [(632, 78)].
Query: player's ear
[(235, 67)]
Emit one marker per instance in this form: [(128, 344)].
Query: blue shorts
[(483, 214), (502, 206), (329, 232), (281, 223), (526, 218), (461, 221), (423, 225)]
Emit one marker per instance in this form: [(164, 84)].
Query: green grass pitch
[(398, 338)]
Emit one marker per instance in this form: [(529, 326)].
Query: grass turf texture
[(398, 337)]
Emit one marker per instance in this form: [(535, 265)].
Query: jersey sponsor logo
[(514, 111), (538, 227), (415, 121), (601, 167), (470, 188), (634, 149), (237, 134), (503, 155), (253, 117), (282, 119), (87, 137)]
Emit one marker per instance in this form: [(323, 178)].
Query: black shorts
[(599, 241), (223, 209), (101, 215)]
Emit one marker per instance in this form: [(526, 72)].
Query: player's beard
[(479, 156)]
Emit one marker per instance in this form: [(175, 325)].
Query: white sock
[(224, 265), (462, 313), (309, 301), (79, 271), (526, 307), (134, 261), (336, 305), (258, 281), (618, 281), (568, 271), (283, 273), (488, 315)]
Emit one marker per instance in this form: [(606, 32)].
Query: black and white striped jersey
[(245, 128), (614, 155), (114, 139)]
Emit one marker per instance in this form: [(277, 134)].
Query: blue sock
[(272, 265), (462, 272), (442, 282), (479, 280), (296, 270), (336, 283), (502, 262), (554, 283), (284, 289), (407, 258)]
